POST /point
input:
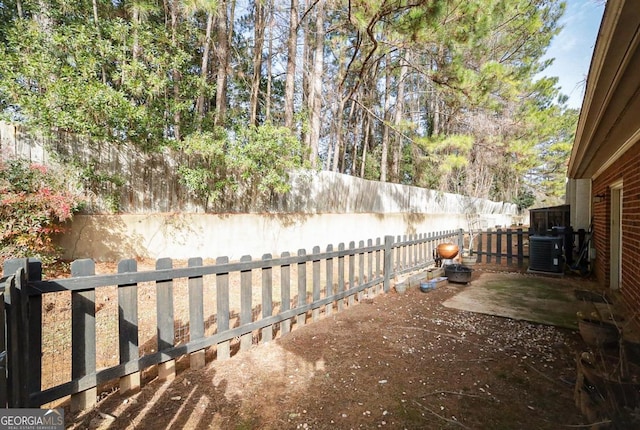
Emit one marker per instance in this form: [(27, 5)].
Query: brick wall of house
[(627, 169)]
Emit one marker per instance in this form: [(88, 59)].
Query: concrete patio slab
[(535, 298)]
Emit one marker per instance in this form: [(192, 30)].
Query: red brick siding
[(627, 169)]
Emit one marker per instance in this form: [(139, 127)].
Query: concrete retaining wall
[(180, 235)]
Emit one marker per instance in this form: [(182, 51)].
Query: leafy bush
[(524, 200), (254, 159), (35, 204)]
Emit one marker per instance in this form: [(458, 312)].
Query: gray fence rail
[(323, 282)]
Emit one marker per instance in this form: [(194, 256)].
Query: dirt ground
[(396, 361)]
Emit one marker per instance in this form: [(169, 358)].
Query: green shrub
[(256, 160), (35, 204)]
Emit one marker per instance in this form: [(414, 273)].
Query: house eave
[(607, 125)]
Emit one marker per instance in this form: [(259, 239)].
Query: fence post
[(328, 310), (285, 293), (378, 267), (388, 263), (246, 340), (3, 351), (352, 271), (34, 273), (223, 350), (165, 321), (301, 319), (316, 283), (24, 332), (509, 247), (461, 241), (479, 247), (361, 278), (15, 370), (83, 335), (197, 359), (267, 297), (12, 352), (520, 248), (128, 329), (499, 246), (340, 275), (370, 264)]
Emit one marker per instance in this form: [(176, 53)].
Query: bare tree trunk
[(204, 71), (221, 50), (385, 126), (267, 105), (292, 49), (345, 145), (366, 124), (175, 74), (315, 97), (339, 120), (307, 58), (397, 153), (338, 137), (257, 61), (356, 126), (95, 20)]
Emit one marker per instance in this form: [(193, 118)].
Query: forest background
[(441, 94)]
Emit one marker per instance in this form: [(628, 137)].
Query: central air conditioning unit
[(546, 254)]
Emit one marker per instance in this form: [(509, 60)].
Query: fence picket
[(499, 246), (83, 335), (223, 350), (165, 321), (378, 264), (370, 266), (340, 275), (4, 392), (196, 314), (315, 313), (128, 329), (267, 298), (302, 288), (398, 258), (489, 247), (416, 250), (361, 278), (285, 293), (509, 247), (15, 354), (520, 248), (34, 339), (329, 280), (245, 304), (352, 269), (388, 262)]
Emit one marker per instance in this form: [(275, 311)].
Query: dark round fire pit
[(457, 273)]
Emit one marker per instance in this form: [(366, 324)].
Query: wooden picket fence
[(510, 246), (245, 311), (501, 246)]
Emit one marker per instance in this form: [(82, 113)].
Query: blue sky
[(573, 47)]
